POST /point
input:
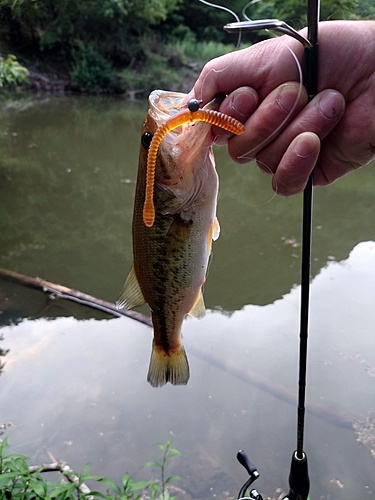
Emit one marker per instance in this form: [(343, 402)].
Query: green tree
[(111, 26), (294, 12), (12, 73), (365, 9)]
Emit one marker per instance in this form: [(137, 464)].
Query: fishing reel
[(299, 483), (253, 473)]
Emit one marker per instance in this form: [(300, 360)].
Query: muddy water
[(76, 385)]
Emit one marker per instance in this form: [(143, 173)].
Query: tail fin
[(164, 367)]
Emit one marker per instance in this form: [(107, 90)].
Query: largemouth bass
[(171, 252)]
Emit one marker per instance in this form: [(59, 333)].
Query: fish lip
[(185, 143), (164, 104)]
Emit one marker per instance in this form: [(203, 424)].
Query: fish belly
[(171, 260)]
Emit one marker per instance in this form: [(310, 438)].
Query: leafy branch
[(19, 481)]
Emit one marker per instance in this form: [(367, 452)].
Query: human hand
[(332, 135)]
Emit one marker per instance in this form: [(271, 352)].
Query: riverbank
[(173, 74), (176, 67), (135, 86)]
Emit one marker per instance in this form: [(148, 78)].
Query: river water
[(74, 381)]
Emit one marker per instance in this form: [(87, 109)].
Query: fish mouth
[(164, 104), (185, 143), (186, 165)]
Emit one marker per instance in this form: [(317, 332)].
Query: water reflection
[(84, 386), (77, 386), (3, 353), (67, 173)]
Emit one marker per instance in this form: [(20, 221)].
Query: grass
[(170, 67), (201, 51)]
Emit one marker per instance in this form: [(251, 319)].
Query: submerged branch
[(63, 292)]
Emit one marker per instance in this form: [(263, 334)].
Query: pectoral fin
[(215, 229), (131, 295), (198, 310), (213, 233)]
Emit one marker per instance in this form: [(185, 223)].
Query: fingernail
[(287, 96), (331, 104), (303, 148), (243, 102)]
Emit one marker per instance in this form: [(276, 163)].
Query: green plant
[(19, 481), (91, 70), (11, 72), (162, 488), (201, 51)]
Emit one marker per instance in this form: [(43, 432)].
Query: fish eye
[(194, 105), (146, 140)]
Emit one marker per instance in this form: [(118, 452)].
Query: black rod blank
[(311, 83)]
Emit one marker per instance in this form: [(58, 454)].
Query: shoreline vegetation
[(131, 47), (174, 71)]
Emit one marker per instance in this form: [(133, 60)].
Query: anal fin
[(198, 310)]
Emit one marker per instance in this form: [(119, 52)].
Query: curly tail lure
[(192, 114)]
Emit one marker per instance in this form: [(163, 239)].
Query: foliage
[(17, 482), (174, 65), (206, 22), (365, 10), (3, 352), (168, 453), (100, 37), (11, 72), (91, 70), (112, 26), (205, 50), (294, 12)]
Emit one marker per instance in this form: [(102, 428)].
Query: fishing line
[(244, 15), (221, 7), (216, 6), (276, 131), (284, 28)]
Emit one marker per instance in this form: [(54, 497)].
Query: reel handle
[(246, 462)]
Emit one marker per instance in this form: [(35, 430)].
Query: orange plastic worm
[(201, 115)]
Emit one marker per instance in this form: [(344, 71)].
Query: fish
[(172, 250)]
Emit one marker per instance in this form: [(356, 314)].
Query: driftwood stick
[(63, 468), (63, 292)]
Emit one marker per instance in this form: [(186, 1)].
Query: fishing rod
[(299, 482)]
